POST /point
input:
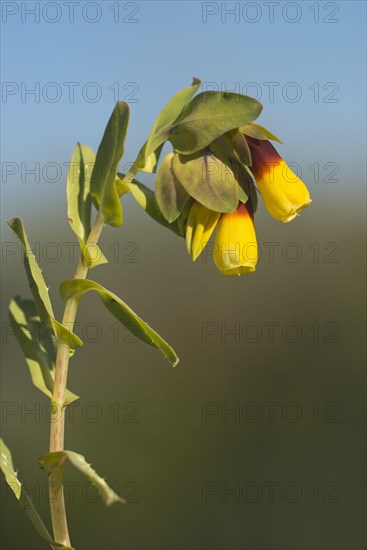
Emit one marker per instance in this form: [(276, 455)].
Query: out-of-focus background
[(255, 440)]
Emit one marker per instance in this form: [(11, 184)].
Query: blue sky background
[(155, 56)]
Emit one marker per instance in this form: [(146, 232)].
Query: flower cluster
[(216, 189)]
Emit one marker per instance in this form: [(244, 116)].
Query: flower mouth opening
[(297, 211), (240, 270)]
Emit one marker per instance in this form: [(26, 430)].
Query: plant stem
[(56, 489)]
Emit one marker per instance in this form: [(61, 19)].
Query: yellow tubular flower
[(284, 194), (235, 250), (201, 223)]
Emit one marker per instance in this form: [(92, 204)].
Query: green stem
[(56, 489)]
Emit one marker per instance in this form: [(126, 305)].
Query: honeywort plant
[(220, 160)]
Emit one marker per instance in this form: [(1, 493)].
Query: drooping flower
[(210, 180), (235, 248), (283, 193), (215, 189)]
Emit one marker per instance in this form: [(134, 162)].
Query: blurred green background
[(255, 441)]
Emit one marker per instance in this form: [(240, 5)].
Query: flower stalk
[(57, 429)]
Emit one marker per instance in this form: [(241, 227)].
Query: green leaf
[(121, 185), (39, 289), (122, 312), (208, 116), (148, 164), (258, 132), (37, 345), (268, 134), (146, 199), (242, 193), (152, 160), (170, 195), (110, 151), (182, 219), (222, 150), (71, 339), (34, 275), (7, 466), (92, 255), (55, 461), (78, 190), (239, 145), (166, 118), (209, 180), (80, 204), (248, 184)]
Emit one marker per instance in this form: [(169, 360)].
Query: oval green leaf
[(209, 180), (208, 116), (170, 195)]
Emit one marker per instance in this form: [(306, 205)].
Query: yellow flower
[(284, 194), (200, 225), (235, 249)]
